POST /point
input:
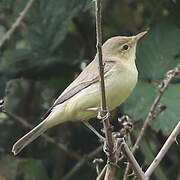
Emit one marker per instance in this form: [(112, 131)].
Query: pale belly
[(118, 87)]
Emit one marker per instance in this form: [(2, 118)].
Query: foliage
[(46, 53), (159, 51)]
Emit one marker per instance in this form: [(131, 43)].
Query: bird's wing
[(87, 77)]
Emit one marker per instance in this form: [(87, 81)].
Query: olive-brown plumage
[(120, 75)]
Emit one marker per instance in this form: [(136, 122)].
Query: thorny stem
[(151, 115)]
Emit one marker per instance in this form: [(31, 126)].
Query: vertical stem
[(101, 74), (99, 52), (110, 170)]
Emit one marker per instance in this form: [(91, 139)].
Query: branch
[(152, 115), (100, 176), (164, 85), (137, 169), (163, 151), (16, 24), (106, 124), (81, 163)]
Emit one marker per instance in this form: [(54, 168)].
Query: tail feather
[(29, 137)]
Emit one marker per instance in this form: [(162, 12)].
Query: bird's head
[(122, 47)]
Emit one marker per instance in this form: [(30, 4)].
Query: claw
[(103, 117), (99, 110)]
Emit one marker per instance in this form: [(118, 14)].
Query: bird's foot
[(97, 109), (102, 114)]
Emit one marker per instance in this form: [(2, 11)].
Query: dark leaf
[(159, 51), (139, 103)]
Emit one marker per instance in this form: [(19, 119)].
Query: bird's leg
[(99, 110), (86, 123), (94, 109), (102, 139), (103, 117)]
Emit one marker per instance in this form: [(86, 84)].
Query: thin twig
[(108, 134), (86, 123), (100, 176), (171, 139), (152, 115), (81, 163), (97, 162), (46, 137), (137, 169), (16, 23), (165, 83)]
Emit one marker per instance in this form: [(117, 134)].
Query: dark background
[(46, 53)]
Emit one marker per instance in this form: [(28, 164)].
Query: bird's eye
[(125, 47)]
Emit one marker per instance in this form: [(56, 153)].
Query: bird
[(77, 101)]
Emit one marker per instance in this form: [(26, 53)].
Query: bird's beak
[(139, 36)]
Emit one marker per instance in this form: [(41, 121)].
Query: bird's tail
[(29, 137)]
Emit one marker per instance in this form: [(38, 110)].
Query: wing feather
[(87, 77)]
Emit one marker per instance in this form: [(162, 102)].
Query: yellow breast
[(119, 83)]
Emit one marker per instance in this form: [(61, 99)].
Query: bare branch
[(108, 134), (152, 115), (16, 23), (164, 85), (137, 169), (163, 151), (100, 176)]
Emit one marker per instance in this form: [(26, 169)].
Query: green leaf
[(168, 119), (53, 20), (43, 50), (159, 51), (139, 103)]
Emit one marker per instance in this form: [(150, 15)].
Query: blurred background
[(52, 45)]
